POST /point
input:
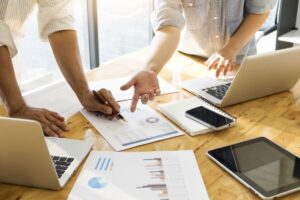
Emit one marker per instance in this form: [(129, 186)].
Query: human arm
[(57, 25), (224, 59), (167, 21), (145, 81), (51, 122), (9, 89), (65, 48)]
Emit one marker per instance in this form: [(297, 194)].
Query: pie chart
[(97, 182), (152, 120)]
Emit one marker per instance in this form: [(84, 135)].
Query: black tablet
[(264, 167)]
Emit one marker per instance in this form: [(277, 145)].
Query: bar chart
[(165, 177), (159, 175), (104, 164)]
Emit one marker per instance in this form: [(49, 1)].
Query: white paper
[(135, 176), (114, 86), (142, 127), (57, 97), (60, 98)]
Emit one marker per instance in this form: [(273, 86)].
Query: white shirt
[(208, 24), (53, 16)]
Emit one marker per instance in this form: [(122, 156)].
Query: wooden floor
[(276, 117)]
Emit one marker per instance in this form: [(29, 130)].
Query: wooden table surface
[(276, 117)]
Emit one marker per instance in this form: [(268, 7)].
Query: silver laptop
[(258, 76), (29, 158)]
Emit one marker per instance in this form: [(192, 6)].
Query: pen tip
[(123, 118)]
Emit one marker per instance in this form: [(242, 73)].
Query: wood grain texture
[(276, 117)]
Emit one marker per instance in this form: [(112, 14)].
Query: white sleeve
[(167, 13), (6, 39), (55, 15), (259, 6)]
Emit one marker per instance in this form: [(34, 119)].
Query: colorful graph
[(104, 164), (165, 178), (97, 182), (152, 120)]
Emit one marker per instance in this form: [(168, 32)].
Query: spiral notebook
[(175, 111)]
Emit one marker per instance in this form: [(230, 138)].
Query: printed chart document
[(114, 86), (142, 127), (60, 98), (134, 176)]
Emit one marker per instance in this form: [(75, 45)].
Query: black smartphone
[(209, 118)]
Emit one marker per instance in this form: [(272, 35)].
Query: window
[(124, 27), (35, 63)]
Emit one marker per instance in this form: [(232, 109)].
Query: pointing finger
[(129, 84)]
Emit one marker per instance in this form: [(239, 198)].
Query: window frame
[(93, 31)]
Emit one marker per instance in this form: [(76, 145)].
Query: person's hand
[(145, 85), (52, 123), (223, 61), (109, 107)]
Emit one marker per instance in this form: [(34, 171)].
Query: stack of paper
[(136, 176)]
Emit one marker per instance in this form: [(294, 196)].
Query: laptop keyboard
[(61, 164), (218, 91)]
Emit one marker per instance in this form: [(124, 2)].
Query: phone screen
[(210, 117)]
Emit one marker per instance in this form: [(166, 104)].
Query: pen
[(102, 100)]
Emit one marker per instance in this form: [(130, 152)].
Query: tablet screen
[(262, 164)]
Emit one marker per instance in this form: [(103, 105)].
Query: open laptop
[(28, 158), (258, 76)]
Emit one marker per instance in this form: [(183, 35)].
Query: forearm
[(163, 47), (246, 31), (65, 48), (9, 89)]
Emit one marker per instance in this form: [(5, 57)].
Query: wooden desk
[(276, 117)]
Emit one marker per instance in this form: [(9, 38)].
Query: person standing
[(56, 24), (220, 30)]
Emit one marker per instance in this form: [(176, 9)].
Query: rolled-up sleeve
[(259, 6), (6, 39), (167, 13), (55, 15)]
